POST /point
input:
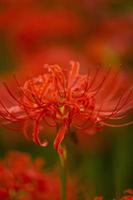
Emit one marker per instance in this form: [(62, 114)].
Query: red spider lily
[(64, 99), (99, 198), (128, 196), (28, 30), (107, 42), (24, 179)]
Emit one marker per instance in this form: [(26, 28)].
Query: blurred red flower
[(98, 198), (24, 179), (28, 29), (60, 54), (128, 196), (63, 99), (111, 40)]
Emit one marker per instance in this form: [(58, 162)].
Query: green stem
[(63, 175)]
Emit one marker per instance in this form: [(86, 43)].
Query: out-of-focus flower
[(63, 99), (98, 198), (24, 179), (111, 41), (128, 196), (97, 5), (27, 30), (60, 54)]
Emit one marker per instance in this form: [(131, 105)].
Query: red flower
[(24, 179), (64, 99), (98, 198), (27, 29), (128, 196)]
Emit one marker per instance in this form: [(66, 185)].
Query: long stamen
[(10, 128), (22, 91), (117, 125), (116, 110), (124, 103), (7, 111), (13, 96), (115, 86), (97, 90), (73, 73), (86, 85), (94, 79), (45, 87), (34, 93)]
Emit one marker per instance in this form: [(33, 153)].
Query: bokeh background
[(95, 33)]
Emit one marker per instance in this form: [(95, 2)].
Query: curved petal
[(36, 130), (59, 138)]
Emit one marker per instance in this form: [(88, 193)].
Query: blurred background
[(95, 33)]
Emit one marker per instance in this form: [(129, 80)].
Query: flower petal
[(35, 134), (59, 138)]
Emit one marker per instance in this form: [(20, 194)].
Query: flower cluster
[(128, 196), (63, 99), (24, 179)]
